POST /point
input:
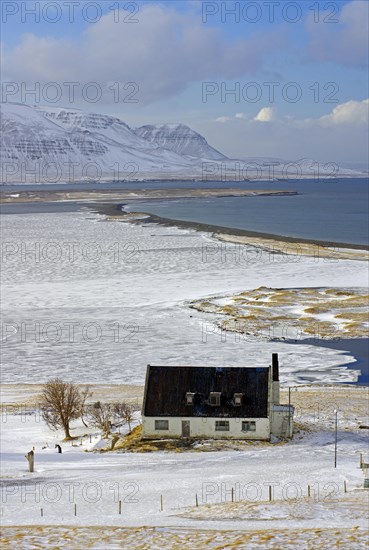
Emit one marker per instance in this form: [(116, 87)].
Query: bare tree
[(119, 412), (124, 411), (61, 402), (104, 416), (85, 394), (101, 416)]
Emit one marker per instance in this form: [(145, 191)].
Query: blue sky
[(312, 54)]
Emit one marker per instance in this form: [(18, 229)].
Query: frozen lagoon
[(95, 301)]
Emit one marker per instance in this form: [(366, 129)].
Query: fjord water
[(325, 211)]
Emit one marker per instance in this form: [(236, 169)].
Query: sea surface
[(335, 212), (326, 210)]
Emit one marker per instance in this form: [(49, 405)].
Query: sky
[(284, 79)]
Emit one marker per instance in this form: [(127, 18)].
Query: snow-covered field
[(95, 301), (81, 489), (116, 538)]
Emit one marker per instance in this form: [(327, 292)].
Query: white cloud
[(266, 114), (223, 119), (344, 41), (163, 54), (340, 136), (237, 116), (352, 112)]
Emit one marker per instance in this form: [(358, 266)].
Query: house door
[(185, 428)]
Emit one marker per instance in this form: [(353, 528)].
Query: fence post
[(197, 502), (31, 460)]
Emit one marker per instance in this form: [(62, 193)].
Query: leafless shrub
[(106, 416), (101, 416), (124, 412)]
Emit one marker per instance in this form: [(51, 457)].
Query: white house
[(214, 402)]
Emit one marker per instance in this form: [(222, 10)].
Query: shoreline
[(109, 203), (136, 194), (116, 212), (354, 347), (190, 179)]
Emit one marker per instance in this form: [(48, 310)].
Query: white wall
[(282, 421), (205, 428), (275, 393)]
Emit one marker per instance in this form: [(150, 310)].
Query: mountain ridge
[(179, 138), (57, 145)]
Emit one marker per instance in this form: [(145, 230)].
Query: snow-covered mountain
[(42, 144), (295, 169), (52, 145), (179, 138)]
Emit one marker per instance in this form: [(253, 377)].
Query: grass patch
[(360, 317), (336, 292), (320, 328), (273, 311), (134, 443), (228, 310)]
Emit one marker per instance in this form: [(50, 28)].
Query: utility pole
[(335, 437), (289, 411)]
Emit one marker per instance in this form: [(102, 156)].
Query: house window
[(248, 426), (161, 424), (237, 399), (214, 398), (221, 426), (189, 398)]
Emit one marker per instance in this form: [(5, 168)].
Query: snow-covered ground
[(159, 489), (320, 312), (95, 301)]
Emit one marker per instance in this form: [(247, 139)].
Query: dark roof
[(166, 388)]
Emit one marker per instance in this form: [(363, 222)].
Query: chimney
[(275, 365), (275, 378)]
